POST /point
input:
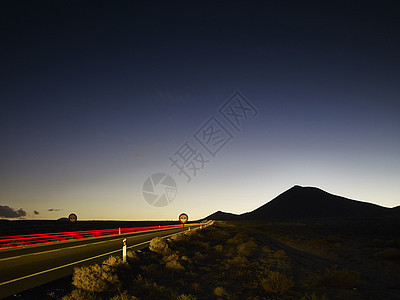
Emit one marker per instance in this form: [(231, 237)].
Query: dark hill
[(222, 216), (309, 203)]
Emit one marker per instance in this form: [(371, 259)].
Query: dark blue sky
[(96, 96)]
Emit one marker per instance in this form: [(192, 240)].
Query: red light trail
[(15, 241)]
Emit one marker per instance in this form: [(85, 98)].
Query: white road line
[(54, 250), (76, 262), (8, 258), (78, 246), (100, 242)]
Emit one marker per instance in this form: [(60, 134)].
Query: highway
[(25, 268)]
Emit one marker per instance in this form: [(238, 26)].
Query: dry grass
[(313, 296), (276, 282), (124, 296), (186, 297), (220, 292)]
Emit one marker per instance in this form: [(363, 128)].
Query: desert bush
[(114, 262), (239, 238), (334, 239), (151, 269), (177, 237), (389, 253), (266, 249), (313, 296), (280, 254), (132, 255), (196, 286), (200, 244), (170, 257), (219, 248), (245, 249), (186, 297), (172, 262), (174, 265), (276, 282), (95, 278), (198, 256), (220, 291), (152, 290), (80, 295), (238, 261), (160, 246), (340, 279), (218, 235), (124, 296)]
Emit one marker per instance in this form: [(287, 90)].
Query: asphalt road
[(25, 268)]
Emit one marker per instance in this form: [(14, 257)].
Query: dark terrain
[(299, 203)]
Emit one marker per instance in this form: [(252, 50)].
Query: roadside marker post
[(124, 250)]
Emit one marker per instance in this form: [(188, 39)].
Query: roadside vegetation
[(223, 261)]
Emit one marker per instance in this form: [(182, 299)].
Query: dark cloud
[(54, 209), (9, 212), (35, 212)]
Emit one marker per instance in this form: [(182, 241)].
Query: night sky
[(97, 96)]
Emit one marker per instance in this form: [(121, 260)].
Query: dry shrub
[(220, 291), (177, 237), (170, 257), (196, 286), (313, 297), (390, 253), (114, 262), (79, 295), (238, 262), (186, 297), (160, 246), (340, 279), (151, 289), (219, 248), (174, 265), (266, 249), (151, 269), (239, 238), (124, 296), (172, 262), (280, 254), (245, 249), (198, 256), (132, 255), (97, 278), (185, 258), (200, 244), (276, 282)]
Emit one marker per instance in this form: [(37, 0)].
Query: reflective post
[(124, 250)]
